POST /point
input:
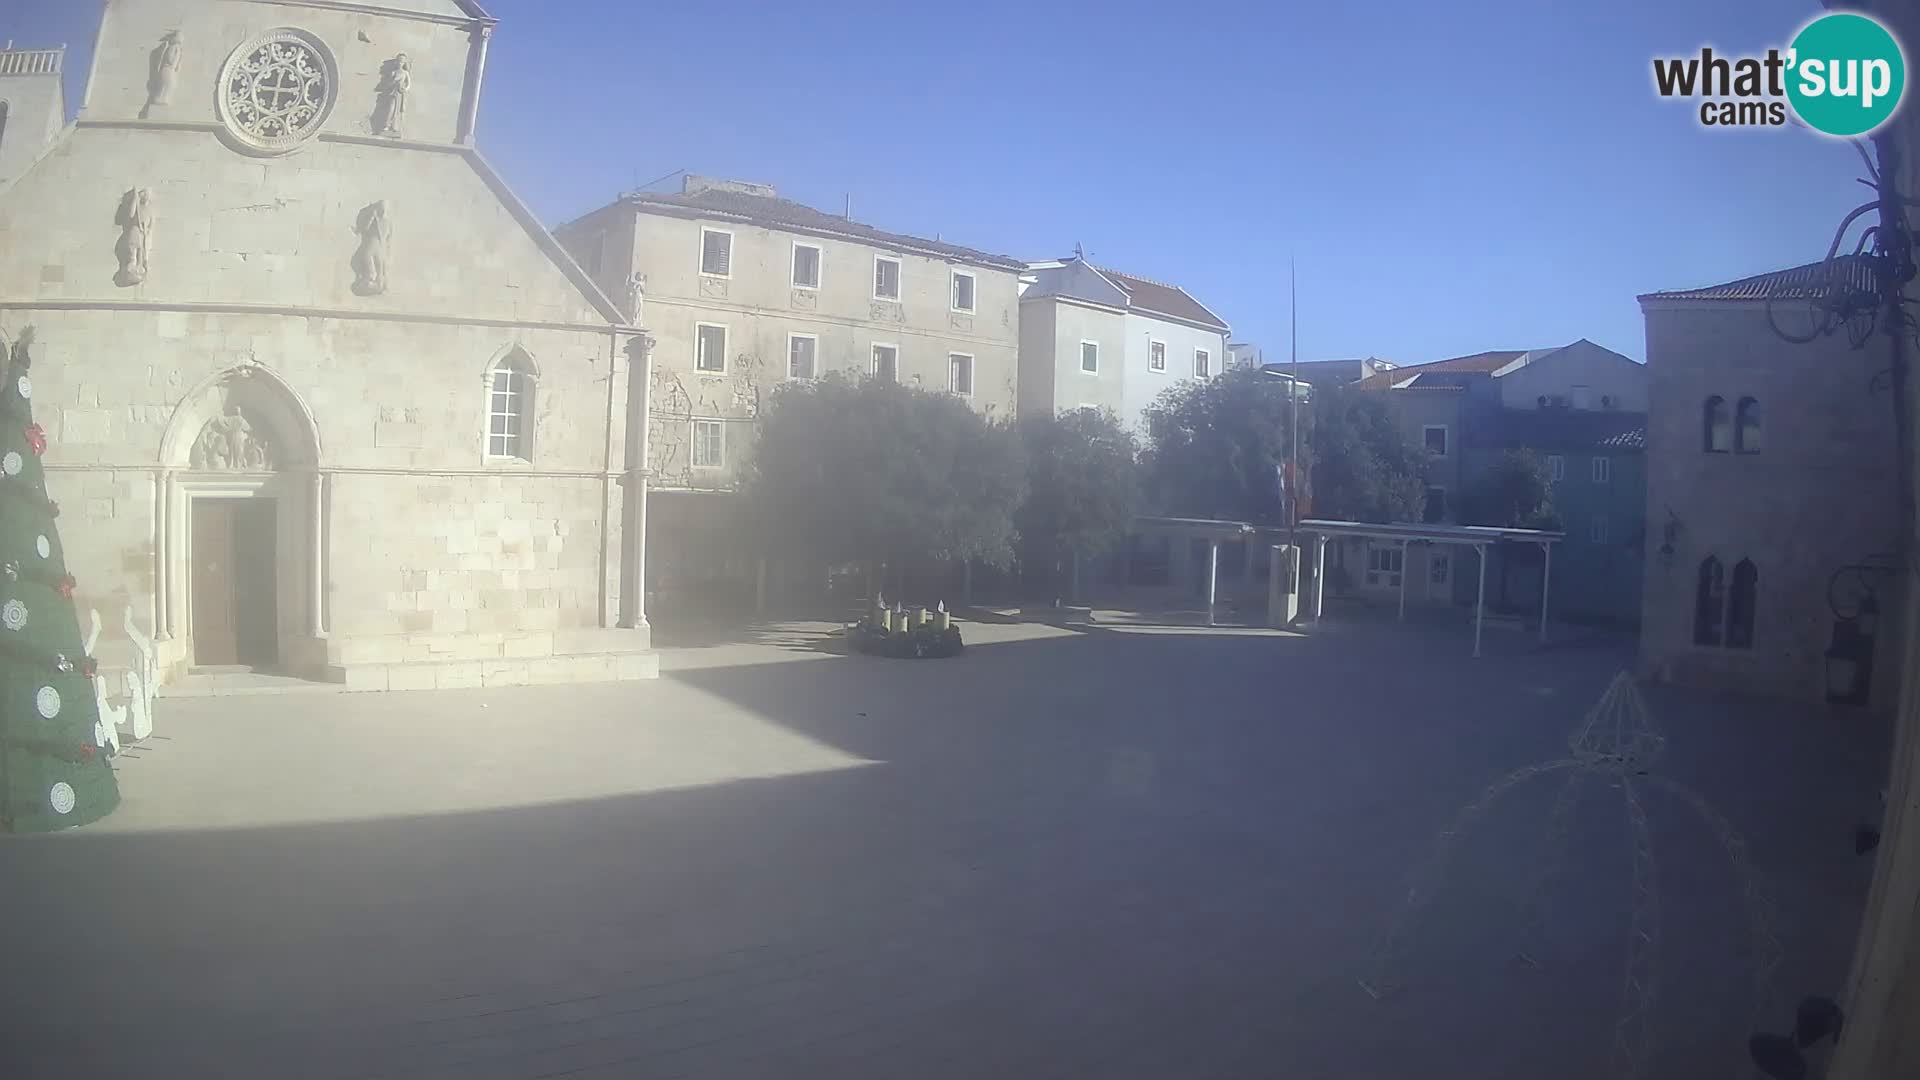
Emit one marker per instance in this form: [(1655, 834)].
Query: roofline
[(1408, 530), (638, 202), (1077, 301), (546, 241), (1218, 322), (1219, 328)]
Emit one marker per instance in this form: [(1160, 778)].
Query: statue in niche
[(136, 229), (390, 97), (163, 68), (636, 296), (370, 259), (228, 442)]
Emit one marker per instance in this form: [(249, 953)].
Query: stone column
[(633, 541), (162, 554), (317, 534)]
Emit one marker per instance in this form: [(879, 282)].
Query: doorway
[(235, 617)]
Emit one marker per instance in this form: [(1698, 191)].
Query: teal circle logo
[(1846, 74)]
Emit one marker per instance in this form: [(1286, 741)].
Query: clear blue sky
[(1450, 177)]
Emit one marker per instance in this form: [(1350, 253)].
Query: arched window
[(1709, 603), (1717, 432), (1740, 605), (1746, 426), (510, 388)]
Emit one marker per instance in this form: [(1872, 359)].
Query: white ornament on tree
[(12, 463), (25, 386), (60, 797), (14, 615), (44, 546), (47, 702)]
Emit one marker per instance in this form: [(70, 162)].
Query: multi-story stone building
[(33, 106), (1773, 521), (1581, 407), (322, 396), (1096, 338), (744, 291)]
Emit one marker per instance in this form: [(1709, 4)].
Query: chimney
[(694, 185)]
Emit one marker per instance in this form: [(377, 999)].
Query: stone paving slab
[(1100, 852)]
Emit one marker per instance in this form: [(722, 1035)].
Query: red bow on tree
[(89, 666), (86, 751), (36, 439), (66, 585)]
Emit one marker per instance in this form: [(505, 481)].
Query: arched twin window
[(1725, 431), (1746, 426), (1723, 617), (1716, 427), (510, 392)]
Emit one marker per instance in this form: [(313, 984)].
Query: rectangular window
[(1597, 529), (806, 266), (886, 278), (506, 414), (1436, 508), (716, 253), (1602, 470), (1435, 436), (1384, 565), (886, 363), (963, 291), (1439, 568), (960, 374), (1582, 398), (801, 352), (709, 347), (709, 444), (1202, 364), (1157, 356), (1556, 467), (1090, 357)]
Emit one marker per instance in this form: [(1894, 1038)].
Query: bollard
[(945, 617)]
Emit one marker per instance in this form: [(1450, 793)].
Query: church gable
[(160, 216)]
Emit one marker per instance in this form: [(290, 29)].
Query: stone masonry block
[(366, 677), (458, 676), (411, 677), (528, 645), (504, 673)]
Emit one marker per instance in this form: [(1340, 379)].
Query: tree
[(1364, 467), (1214, 446), (864, 470), (1515, 492), (1083, 485), (53, 773)]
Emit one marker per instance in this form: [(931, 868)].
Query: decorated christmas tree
[(53, 769)]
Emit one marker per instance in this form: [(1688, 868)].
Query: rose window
[(275, 92)]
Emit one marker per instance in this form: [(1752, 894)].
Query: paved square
[(1123, 852)]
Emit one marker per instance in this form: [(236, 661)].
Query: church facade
[(322, 396)]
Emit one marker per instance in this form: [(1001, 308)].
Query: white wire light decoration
[(277, 90), (1619, 743)]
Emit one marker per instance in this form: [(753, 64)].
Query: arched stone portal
[(238, 533)]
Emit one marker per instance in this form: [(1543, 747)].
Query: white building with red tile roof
[(1095, 337)]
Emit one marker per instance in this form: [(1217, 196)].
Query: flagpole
[(1293, 469)]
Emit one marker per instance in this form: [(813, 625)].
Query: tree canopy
[(863, 470), (1364, 467), (1083, 484), (1214, 445), (1515, 492)]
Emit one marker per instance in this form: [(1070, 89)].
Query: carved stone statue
[(636, 296), (370, 260), (163, 67), (390, 97), (228, 443), (136, 229)]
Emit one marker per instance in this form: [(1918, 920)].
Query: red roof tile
[(1162, 299), (785, 213), (1485, 363), (1859, 273)]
